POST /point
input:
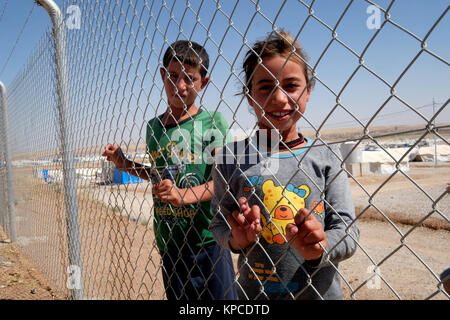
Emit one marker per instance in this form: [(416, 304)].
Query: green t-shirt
[(183, 152)]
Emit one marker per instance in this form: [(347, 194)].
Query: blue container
[(121, 177), (135, 179), (45, 174)]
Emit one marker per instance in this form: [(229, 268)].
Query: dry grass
[(371, 214)]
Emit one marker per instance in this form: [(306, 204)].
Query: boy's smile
[(278, 95)]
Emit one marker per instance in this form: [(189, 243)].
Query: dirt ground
[(19, 279), (408, 244), (409, 253)]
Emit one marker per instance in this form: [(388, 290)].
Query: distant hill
[(382, 133)]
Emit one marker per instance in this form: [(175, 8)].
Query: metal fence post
[(3, 201), (9, 178), (70, 187), (3, 206)]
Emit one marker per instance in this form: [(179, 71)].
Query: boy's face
[(182, 83), (284, 104)]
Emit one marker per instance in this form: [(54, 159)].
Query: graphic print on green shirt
[(183, 153)]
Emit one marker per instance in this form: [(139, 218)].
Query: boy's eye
[(292, 86), (189, 80), (266, 88), (175, 77)]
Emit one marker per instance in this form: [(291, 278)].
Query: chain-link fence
[(99, 76)]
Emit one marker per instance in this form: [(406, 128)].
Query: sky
[(115, 54)]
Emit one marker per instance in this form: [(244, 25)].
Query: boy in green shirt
[(181, 144)]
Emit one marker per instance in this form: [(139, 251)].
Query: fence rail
[(95, 78)]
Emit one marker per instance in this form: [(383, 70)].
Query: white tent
[(385, 161), (440, 152)]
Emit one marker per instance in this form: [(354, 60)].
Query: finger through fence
[(234, 150)]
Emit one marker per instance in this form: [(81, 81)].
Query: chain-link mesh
[(115, 86)]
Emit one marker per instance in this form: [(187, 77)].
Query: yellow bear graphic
[(282, 204)]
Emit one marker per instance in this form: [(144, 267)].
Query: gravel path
[(408, 269), (404, 201), (410, 256)]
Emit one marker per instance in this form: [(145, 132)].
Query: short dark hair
[(188, 52)]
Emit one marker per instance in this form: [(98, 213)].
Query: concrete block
[(365, 168), (354, 169)]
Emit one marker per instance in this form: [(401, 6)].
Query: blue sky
[(112, 28)]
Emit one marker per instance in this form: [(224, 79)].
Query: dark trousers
[(201, 274)]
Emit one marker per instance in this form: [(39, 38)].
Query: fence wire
[(115, 52)]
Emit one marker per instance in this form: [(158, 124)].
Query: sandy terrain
[(121, 262), (19, 279)]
